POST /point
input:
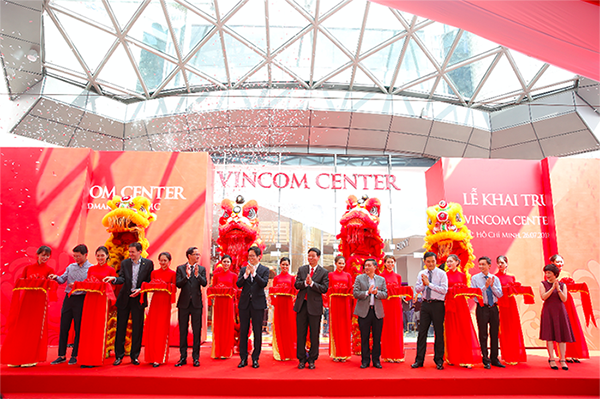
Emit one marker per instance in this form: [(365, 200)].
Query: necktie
[(312, 271), (489, 294), (428, 290), (135, 270)]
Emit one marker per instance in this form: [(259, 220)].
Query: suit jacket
[(314, 293), (361, 293), (255, 286), (126, 276), (191, 288)]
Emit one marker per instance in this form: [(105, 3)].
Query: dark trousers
[(304, 321), (488, 316), (71, 312), (257, 316), (431, 312), (183, 315), (366, 325), (136, 310)]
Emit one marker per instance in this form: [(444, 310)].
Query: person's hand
[(135, 293), (425, 279), (249, 270), (489, 281), (109, 279), (70, 285), (309, 280), (556, 286), (52, 276), (196, 268), (188, 272), (373, 290)]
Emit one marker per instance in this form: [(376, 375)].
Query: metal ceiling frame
[(315, 26)]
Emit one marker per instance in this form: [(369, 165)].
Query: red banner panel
[(58, 197)]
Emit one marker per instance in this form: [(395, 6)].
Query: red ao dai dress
[(223, 323), (340, 315), (158, 322), (462, 345), (392, 336), (282, 295), (510, 334)]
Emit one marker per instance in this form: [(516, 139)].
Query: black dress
[(555, 325)]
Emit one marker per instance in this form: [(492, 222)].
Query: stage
[(222, 378)]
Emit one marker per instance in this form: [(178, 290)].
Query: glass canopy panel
[(249, 22), (381, 26), (328, 57), (383, 63), (501, 80), (362, 79), (298, 55), (310, 6), (92, 9), (467, 78), (415, 64), (284, 23), (438, 39), (241, 58), (154, 69), (206, 6), (176, 82), (66, 92), (124, 10), (326, 5), (56, 49), (553, 75), (80, 34), (345, 25), (151, 28), (423, 87), (198, 81), (209, 59), (343, 77), (118, 70), (225, 7), (469, 46), (528, 66)]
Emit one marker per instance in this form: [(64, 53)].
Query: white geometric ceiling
[(143, 49)]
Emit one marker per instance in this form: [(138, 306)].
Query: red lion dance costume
[(360, 240), (238, 231)]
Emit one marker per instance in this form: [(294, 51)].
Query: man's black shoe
[(364, 365), (196, 363), (181, 362), (301, 365), (255, 364), (498, 364), (487, 366), (416, 365), (243, 363), (440, 366), (377, 365), (311, 365), (135, 362), (118, 361)]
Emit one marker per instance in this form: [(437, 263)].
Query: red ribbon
[(513, 289), (158, 286), (42, 283), (459, 290), (92, 284), (586, 301)]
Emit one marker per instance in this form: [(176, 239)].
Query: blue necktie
[(428, 290), (489, 293)]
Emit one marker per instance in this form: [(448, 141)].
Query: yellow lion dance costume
[(447, 234), (127, 223)]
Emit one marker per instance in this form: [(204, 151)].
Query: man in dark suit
[(190, 277), (312, 281), (369, 290), (253, 279), (134, 271)]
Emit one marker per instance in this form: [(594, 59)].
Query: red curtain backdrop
[(561, 33)]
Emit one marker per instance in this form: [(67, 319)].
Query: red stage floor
[(276, 379)]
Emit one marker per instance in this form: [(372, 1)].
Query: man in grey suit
[(312, 281), (369, 290)]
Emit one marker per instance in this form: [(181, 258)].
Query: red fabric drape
[(562, 33)]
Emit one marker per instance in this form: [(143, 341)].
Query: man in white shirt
[(432, 282), (488, 315)]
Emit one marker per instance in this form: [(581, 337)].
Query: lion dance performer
[(359, 240), (127, 223), (238, 231), (450, 239)]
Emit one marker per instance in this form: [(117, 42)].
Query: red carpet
[(276, 379)]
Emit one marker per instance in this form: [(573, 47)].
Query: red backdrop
[(57, 197)]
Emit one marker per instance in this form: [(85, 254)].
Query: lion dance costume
[(127, 223), (360, 240)]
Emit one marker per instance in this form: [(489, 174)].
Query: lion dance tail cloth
[(127, 223), (360, 240)]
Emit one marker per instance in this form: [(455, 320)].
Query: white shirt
[(438, 283)]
